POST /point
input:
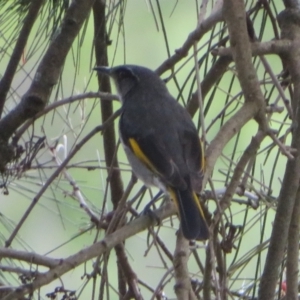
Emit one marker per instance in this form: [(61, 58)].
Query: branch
[(292, 265), (56, 104), (109, 136), (259, 48), (76, 192), (15, 57), (254, 106), (93, 251), (239, 169), (228, 130), (194, 36), (284, 150), (129, 275), (183, 287), (57, 172), (49, 70), (19, 271), (234, 14), (279, 47), (213, 75), (289, 21), (31, 258)]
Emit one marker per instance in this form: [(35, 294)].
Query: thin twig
[(57, 172), (56, 104)]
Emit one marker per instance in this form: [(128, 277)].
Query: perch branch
[(93, 251)]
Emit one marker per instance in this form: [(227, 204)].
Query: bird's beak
[(103, 70)]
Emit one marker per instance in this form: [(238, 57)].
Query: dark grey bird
[(161, 142)]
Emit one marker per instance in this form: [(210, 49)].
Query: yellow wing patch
[(140, 154), (195, 198), (197, 201)]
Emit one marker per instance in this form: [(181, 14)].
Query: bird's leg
[(148, 211), (154, 199)]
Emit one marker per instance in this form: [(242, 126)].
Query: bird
[(161, 142)]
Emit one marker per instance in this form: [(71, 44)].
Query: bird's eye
[(126, 74)]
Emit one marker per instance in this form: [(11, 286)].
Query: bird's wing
[(153, 154), (194, 157)]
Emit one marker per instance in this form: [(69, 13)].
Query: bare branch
[(238, 171), (292, 266), (57, 172), (31, 258), (289, 24), (48, 71), (10, 71), (95, 250), (259, 48), (56, 104), (194, 36), (183, 288)]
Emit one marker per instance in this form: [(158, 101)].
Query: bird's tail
[(192, 219)]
